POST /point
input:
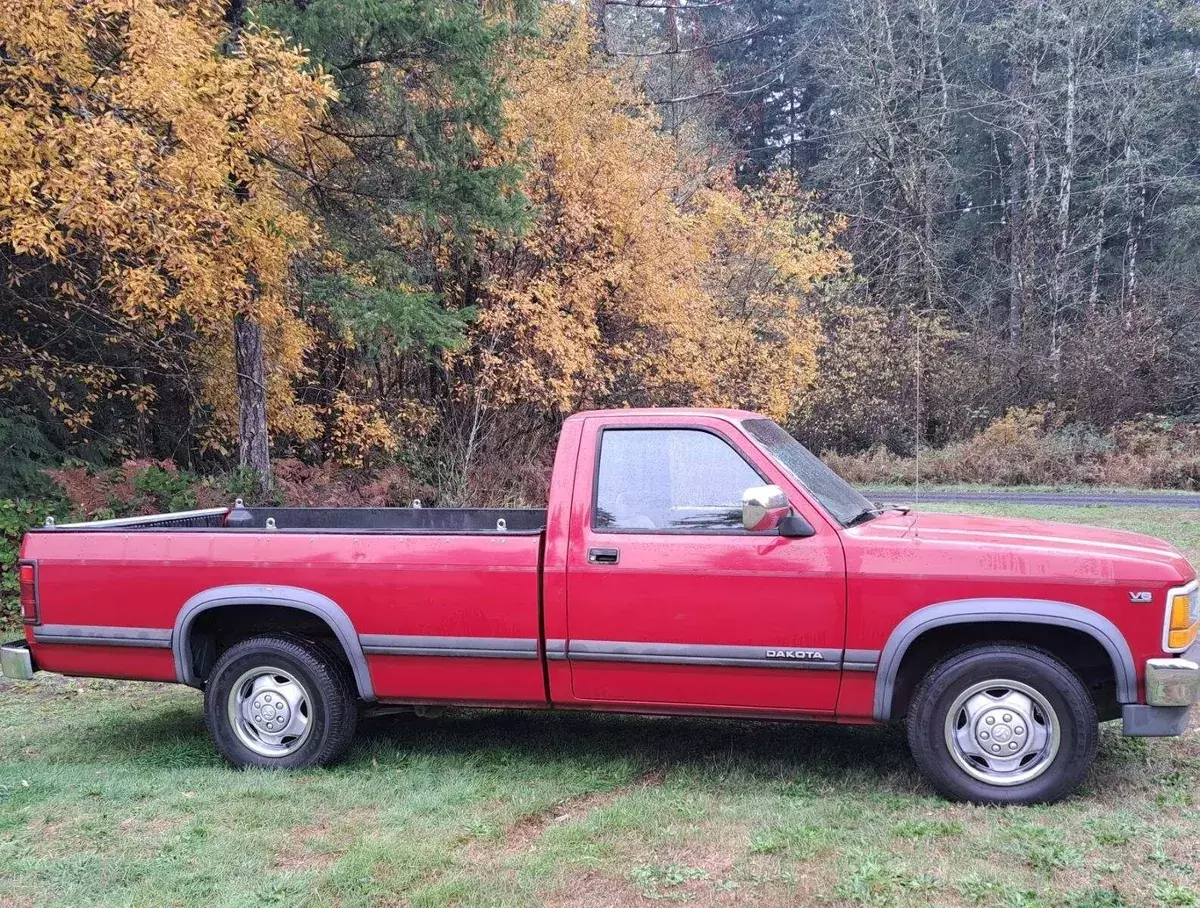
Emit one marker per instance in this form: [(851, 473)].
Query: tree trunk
[(254, 449), (139, 427), (1020, 179), (1016, 253), (673, 26), (597, 10), (1066, 176), (254, 446)]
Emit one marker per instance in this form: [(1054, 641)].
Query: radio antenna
[(917, 426)]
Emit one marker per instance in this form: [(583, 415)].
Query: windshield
[(836, 495)]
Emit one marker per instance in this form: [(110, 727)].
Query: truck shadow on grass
[(528, 745), (712, 748), (789, 757), (174, 737)]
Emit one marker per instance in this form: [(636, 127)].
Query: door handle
[(604, 556)]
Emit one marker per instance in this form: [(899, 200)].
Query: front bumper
[(16, 661), (1172, 687)]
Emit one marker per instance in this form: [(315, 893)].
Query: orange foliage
[(632, 285), (124, 136)]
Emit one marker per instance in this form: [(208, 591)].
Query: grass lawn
[(110, 794)]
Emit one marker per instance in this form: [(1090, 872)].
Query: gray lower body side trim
[(558, 650), (860, 660), (103, 635), (463, 647), (705, 654)]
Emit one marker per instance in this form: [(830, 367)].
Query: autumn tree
[(142, 213), (646, 277)]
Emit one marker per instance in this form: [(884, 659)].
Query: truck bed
[(116, 596)]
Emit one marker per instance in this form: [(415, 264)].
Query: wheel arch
[(287, 597), (1002, 611)]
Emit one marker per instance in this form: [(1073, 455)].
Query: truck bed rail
[(401, 520), (449, 521), (204, 517)]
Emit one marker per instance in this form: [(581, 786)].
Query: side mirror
[(763, 507)]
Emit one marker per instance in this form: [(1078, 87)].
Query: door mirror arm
[(793, 526)]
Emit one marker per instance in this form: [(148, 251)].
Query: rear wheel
[(1003, 724), (280, 702)]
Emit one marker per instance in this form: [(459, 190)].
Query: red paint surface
[(133, 663), (841, 588)]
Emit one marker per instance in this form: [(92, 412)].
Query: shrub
[(328, 485), (24, 451), (1034, 447), (16, 516), (135, 487)]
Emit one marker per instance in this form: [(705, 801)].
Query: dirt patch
[(47, 830), (318, 846), (592, 890), (49, 686), (710, 867), (46, 687), (295, 861), (66, 832), (523, 835), (156, 827)]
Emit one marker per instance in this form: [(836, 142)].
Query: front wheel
[(281, 703), (1003, 724)]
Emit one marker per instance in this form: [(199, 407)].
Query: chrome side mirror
[(763, 507)]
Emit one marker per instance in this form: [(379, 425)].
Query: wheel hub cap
[(1002, 732), (269, 711)]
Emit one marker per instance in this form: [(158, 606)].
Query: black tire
[(1074, 715), (329, 702)]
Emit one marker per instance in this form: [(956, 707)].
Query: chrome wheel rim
[(1002, 732), (270, 712)]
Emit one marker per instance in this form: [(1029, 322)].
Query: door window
[(673, 480)]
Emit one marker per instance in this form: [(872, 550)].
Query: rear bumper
[(1172, 687), (16, 661)]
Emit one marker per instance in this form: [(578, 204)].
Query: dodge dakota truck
[(689, 562)]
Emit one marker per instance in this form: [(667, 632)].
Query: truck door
[(670, 602)]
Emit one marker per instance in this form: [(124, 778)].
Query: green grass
[(110, 794), (1068, 487)]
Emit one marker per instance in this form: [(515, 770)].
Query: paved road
[(1120, 499)]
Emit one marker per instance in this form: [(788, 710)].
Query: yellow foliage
[(632, 286), (138, 178), (356, 430)]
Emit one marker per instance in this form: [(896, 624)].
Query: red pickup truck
[(689, 562)]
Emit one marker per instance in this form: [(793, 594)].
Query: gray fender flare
[(1029, 611), (263, 594)]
